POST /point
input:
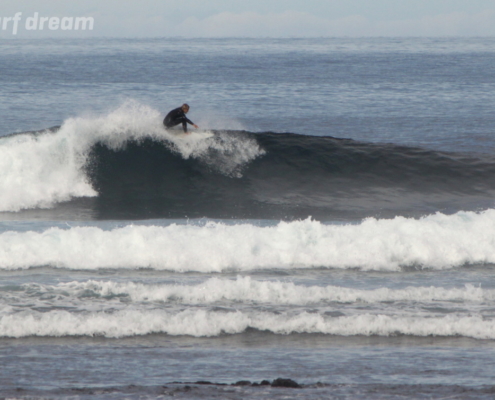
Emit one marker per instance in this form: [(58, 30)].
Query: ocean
[(332, 223)]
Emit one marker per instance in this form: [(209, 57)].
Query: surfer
[(178, 116)]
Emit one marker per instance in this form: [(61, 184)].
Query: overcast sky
[(257, 18)]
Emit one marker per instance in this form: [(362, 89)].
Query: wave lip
[(437, 242)]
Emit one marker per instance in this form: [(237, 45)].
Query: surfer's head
[(185, 107)]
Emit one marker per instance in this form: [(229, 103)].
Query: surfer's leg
[(184, 126), (166, 123), (170, 123)]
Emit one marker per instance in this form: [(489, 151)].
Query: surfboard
[(195, 135)]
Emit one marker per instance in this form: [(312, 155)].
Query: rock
[(242, 383), (288, 383)]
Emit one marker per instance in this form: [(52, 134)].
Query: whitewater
[(438, 241), (245, 289), (203, 323)]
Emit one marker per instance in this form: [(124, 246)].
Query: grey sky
[(260, 18)]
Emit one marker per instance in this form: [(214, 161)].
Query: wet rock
[(287, 383), (242, 383)]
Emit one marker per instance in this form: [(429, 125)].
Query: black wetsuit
[(176, 117)]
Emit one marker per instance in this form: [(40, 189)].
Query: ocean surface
[(332, 221)]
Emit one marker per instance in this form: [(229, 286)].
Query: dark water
[(297, 177), (335, 367)]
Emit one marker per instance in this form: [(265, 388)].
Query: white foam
[(437, 241), (199, 322), (249, 290), (44, 169), (38, 171), (222, 152)]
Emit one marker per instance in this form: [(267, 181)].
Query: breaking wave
[(435, 242), (245, 289), (194, 322), (124, 165)]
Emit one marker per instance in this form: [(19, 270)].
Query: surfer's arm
[(190, 122)]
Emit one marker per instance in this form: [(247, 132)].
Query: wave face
[(288, 177), (127, 166)]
